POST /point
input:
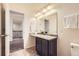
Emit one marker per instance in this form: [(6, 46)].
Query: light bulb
[(37, 14), (49, 7)]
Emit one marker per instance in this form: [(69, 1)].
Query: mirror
[(53, 24), (45, 25)]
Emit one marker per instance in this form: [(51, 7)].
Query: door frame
[(2, 31), (11, 24), (8, 29)]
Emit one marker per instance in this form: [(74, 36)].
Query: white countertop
[(47, 37)]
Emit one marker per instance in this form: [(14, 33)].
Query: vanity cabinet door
[(45, 47), (53, 47), (38, 46)]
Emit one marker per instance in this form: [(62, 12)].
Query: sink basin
[(48, 34)]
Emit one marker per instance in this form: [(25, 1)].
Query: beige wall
[(66, 36)]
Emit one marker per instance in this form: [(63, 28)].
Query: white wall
[(33, 26)]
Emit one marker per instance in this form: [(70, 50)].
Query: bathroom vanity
[(45, 29), (46, 45)]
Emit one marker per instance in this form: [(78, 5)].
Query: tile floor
[(28, 52), (16, 44)]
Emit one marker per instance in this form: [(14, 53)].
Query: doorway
[(16, 42)]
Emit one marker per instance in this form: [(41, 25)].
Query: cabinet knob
[(72, 47)]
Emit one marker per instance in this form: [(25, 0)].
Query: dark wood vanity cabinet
[(46, 47), (38, 46)]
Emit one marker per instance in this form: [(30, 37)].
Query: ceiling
[(34, 8)]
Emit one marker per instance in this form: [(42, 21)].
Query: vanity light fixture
[(33, 19), (51, 12), (49, 7), (46, 11), (40, 17), (38, 14)]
